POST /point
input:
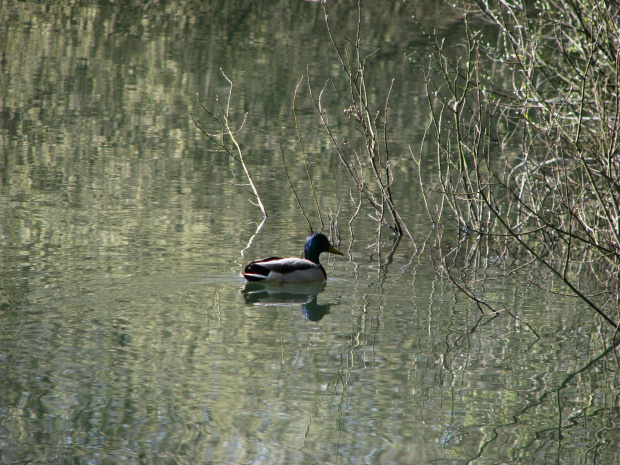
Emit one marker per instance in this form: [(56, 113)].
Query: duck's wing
[(279, 265), (288, 265), (258, 270)]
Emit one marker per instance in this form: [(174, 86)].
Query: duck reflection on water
[(265, 294)]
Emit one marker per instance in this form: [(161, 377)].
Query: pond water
[(127, 334)]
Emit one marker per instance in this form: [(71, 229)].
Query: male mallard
[(293, 270)]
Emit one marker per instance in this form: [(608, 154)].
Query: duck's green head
[(316, 244)]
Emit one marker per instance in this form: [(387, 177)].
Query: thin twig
[(303, 153), (294, 191)]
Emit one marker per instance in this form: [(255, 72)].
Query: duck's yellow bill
[(333, 249)]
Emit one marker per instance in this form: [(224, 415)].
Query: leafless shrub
[(527, 136), (369, 164), (226, 139)]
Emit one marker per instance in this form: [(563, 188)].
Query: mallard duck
[(293, 270)]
